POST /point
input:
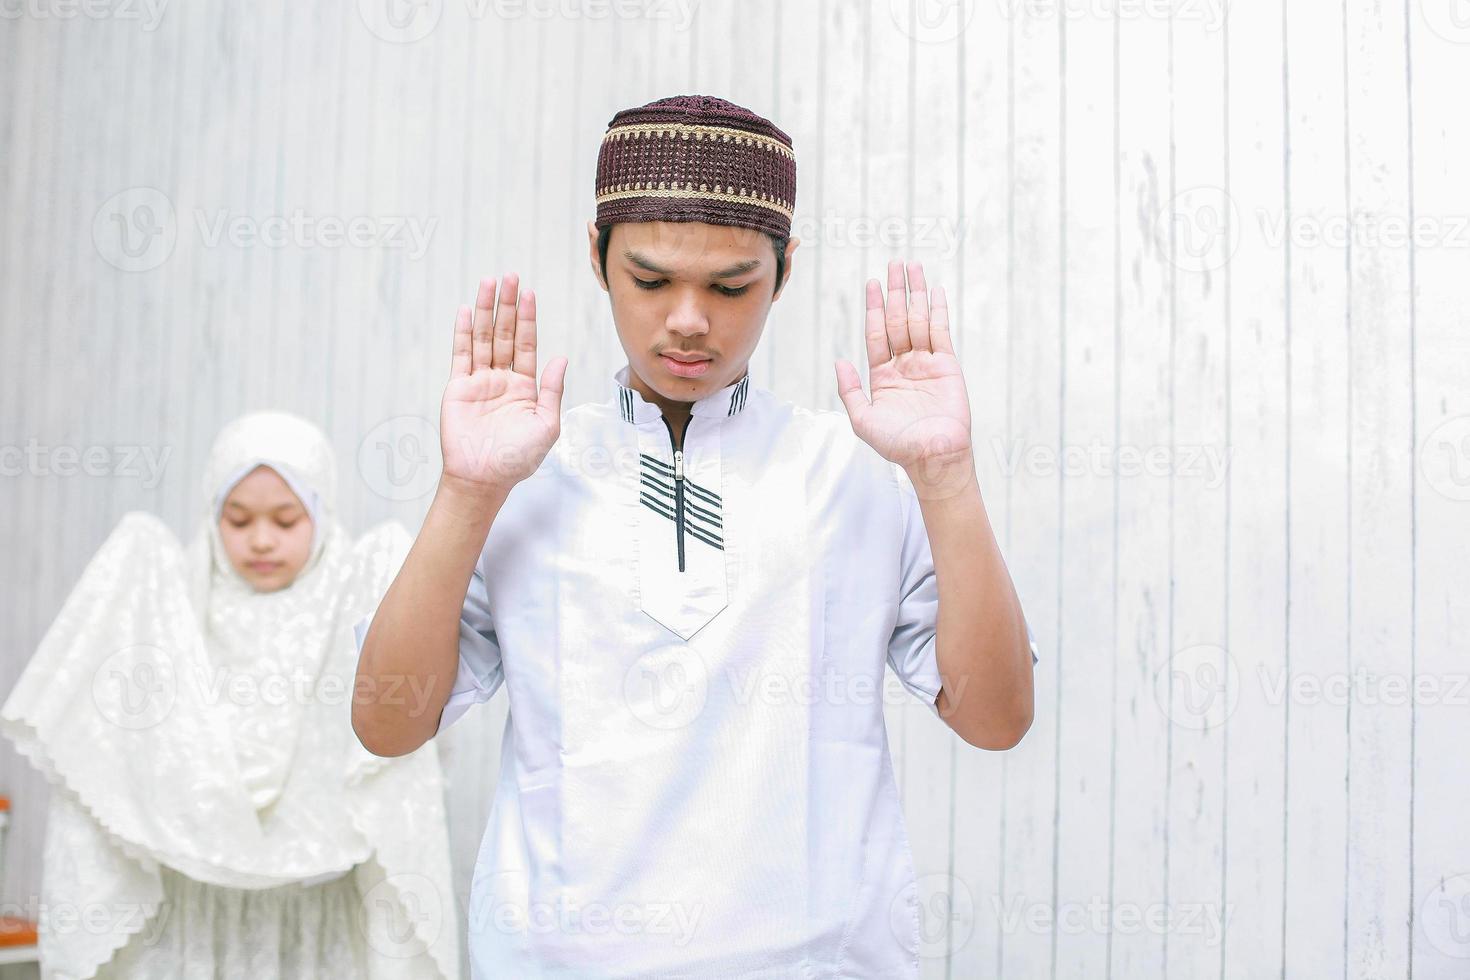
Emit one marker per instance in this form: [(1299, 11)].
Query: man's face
[(689, 300)]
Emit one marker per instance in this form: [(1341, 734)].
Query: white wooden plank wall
[(1140, 213)]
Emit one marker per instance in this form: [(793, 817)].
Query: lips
[(685, 358), (684, 369)]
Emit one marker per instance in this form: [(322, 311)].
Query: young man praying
[(690, 591)]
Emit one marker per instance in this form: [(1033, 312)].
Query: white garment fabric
[(290, 930), (197, 735), (695, 778)]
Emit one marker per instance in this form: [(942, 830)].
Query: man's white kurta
[(695, 778)]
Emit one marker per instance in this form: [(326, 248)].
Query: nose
[(260, 538), (687, 318)]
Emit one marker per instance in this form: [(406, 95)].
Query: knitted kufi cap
[(696, 158)]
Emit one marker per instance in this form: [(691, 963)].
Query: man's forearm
[(984, 657), (413, 642)]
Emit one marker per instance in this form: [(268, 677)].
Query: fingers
[(525, 339), (502, 333), (918, 308), (905, 317), (481, 346), (459, 363), (552, 382), (850, 390), (896, 315), (503, 355), (939, 335), (873, 329)]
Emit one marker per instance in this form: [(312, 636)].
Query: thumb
[(850, 390), (553, 377)]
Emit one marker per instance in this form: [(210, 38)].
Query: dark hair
[(604, 234)]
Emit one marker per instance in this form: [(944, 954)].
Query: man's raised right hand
[(495, 428)]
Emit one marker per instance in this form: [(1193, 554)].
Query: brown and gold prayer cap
[(696, 158)]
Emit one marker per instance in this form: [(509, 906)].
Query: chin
[(268, 583)]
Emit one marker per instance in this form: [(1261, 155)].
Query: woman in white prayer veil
[(212, 812)]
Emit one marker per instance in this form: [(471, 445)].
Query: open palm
[(495, 426), (919, 410)]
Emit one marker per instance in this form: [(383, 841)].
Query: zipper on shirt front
[(678, 490)]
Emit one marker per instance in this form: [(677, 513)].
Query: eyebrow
[(288, 504), (738, 269)]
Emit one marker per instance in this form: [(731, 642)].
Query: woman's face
[(266, 530)]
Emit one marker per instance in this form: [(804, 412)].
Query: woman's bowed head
[(266, 530)]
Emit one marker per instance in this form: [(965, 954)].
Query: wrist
[(467, 500), (945, 476)]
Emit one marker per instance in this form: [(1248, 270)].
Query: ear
[(592, 254), (791, 244)]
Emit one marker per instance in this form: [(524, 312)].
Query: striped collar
[(720, 404)]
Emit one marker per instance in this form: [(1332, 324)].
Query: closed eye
[(724, 290)]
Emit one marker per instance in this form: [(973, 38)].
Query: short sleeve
[(479, 674), (911, 649)]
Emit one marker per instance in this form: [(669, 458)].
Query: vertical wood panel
[(1254, 279), (1199, 360), (1317, 511), (798, 109), (1085, 625), (1035, 364), (1380, 560), (37, 55), (981, 304), (1439, 857), (1144, 638)]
